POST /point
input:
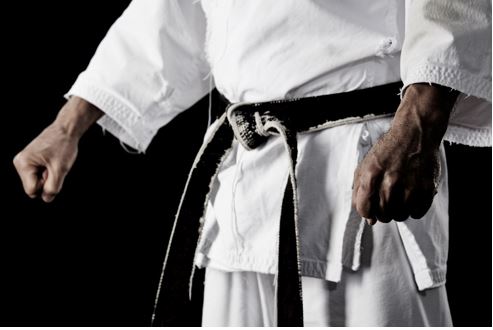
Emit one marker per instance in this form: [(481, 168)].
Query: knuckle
[(390, 180), (367, 181), (374, 170), (365, 185), (19, 160)]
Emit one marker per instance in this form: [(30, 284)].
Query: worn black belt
[(252, 124)]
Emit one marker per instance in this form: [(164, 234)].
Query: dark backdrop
[(93, 256)]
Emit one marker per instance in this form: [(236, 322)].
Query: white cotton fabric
[(242, 220), (155, 61), (381, 293)]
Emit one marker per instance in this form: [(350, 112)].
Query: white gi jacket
[(155, 62)]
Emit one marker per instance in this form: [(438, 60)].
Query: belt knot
[(252, 124), (253, 128)]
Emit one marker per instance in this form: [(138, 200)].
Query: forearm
[(76, 116)]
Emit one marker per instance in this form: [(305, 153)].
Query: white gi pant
[(381, 293)]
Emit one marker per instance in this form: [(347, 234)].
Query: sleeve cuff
[(460, 80), (121, 119)]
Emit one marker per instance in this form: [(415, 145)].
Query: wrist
[(76, 116), (432, 103), (426, 108)]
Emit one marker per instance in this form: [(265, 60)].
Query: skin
[(399, 175), (44, 163), (395, 180)]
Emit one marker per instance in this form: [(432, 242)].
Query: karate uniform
[(159, 58)]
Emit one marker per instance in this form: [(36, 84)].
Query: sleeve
[(449, 43), (149, 67)]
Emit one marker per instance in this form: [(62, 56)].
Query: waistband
[(252, 124)]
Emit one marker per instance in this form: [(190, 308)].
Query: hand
[(44, 163), (399, 175)]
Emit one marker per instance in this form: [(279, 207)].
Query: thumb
[(53, 181)]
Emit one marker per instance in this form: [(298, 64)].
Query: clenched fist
[(44, 163), (399, 175)]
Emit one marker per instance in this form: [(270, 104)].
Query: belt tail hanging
[(172, 298), (289, 290)]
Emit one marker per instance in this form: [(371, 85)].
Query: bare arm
[(44, 163), (398, 177)]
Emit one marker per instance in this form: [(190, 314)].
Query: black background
[(93, 256)]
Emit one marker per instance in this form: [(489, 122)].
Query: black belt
[(252, 124)]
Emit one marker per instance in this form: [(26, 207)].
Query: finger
[(355, 187), (401, 211), (382, 211), (420, 201), (31, 182), (53, 184), (366, 198), (392, 205), (400, 204)]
